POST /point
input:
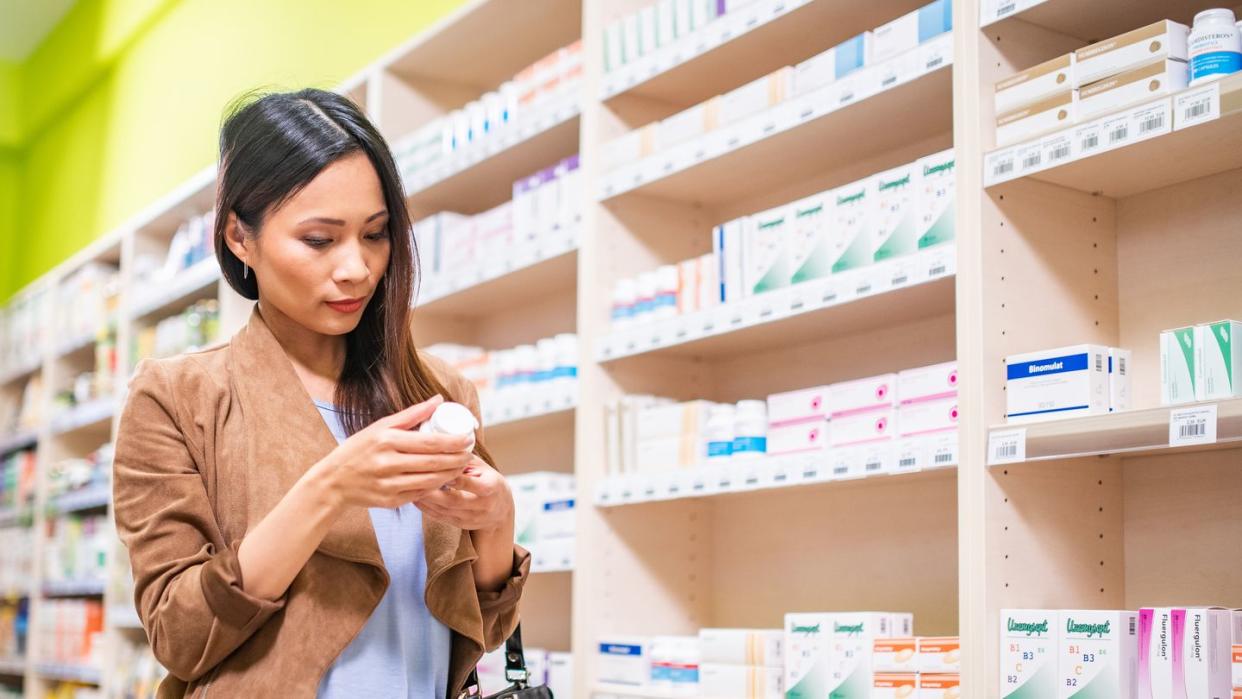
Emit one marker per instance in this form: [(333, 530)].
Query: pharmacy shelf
[(74, 588), (20, 372), (69, 673), (12, 667), (486, 172), (93, 498), (84, 416), (743, 45), (765, 473), (123, 616), (1180, 150), (921, 286), (529, 412), (16, 516), (550, 567), (18, 441), (1134, 432), (1090, 21), (795, 140), (602, 690), (509, 283), (76, 345), (164, 298)]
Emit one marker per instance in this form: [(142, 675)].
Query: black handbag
[(515, 672)]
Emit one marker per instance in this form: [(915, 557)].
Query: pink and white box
[(863, 414), (927, 417), (798, 421)]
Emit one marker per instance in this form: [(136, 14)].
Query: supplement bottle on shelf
[(1215, 46)]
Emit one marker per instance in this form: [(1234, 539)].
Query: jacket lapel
[(285, 436)]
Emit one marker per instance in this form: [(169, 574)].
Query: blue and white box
[(1057, 383), (624, 660), (907, 32)]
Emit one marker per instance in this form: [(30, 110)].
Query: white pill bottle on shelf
[(1215, 46)]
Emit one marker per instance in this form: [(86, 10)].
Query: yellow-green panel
[(8, 219), (10, 126), (148, 120)]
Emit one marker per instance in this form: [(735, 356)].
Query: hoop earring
[(245, 270)]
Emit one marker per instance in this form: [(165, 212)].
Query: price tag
[(1006, 446), (1152, 120), (1088, 139), (1030, 158), (1190, 426), (1197, 106), (1057, 148), (1000, 166), (1115, 131)]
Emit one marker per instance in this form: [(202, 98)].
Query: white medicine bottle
[(451, 418), (750, 428), (720, 432), (1215, 46)]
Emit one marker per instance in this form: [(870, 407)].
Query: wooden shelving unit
[(1109, 248)]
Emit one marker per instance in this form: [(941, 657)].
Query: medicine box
[(624, 660), (809, 241), (930, 382), (556, 519), (1049, 114), (1132, 87), (874, 425), (797, 406), (1205, 638), (897, 654), (765, 255), (741, 682), (662, 453), (1219, 360), (530, 492), (1236, 654), (614, 46), (901, 624), (727, 248), (1057, 383), (861, 394), (798, 437), (1118, 379), (755, 96), (853, 634), (648, 29), (834, 64), (1035, 84), (673, 420), (905, 33), (894, 685), (1158, 41), (808, 655), (854, 216), (1178, 368), (927, 417), (1028, 642), (686, 125), (628, 149), (934, 200), (895, 229), (666, 23), (1097, 653), (940, 654), (1155, 652), (943, 686), (756, 647), (561, 673), (631, 37)]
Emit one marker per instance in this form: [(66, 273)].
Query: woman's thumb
[(414, 415)]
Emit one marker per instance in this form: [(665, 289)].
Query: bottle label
[(716, 449), (755, 445), (1215, 63)]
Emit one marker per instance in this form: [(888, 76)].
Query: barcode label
[(1006, 446), (934, 63), (873, 466), (1190, 426), (1061, 151), (944, 458), (1091, 141), (1132, 620), (998, 167), (900, 280), (1197, 106), (1152, 122), (936, 271), (840, 470), (1118, 134), (1099, 362), (1006, 8), (907, 462), (1032, 160)]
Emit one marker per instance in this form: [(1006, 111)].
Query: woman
[(290, 534)]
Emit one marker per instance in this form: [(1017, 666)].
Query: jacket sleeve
[(499, 607), (187, 579)]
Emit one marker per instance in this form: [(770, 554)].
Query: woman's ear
[(235, 238)]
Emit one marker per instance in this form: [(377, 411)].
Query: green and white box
[(936, 220), (1028, 656), (853, 640), (1097, 654), (1219, 359), (854, 214), (1178, 372), (896, 233), (765, 255), (810, 251), (808, 656)]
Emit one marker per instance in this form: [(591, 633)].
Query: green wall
[(121, 103)]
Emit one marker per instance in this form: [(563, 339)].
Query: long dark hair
[(271, 146)]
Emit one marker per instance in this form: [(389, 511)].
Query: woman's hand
[(479, 500), (387, 464)]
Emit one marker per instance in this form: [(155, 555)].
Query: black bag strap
[(515, 665)]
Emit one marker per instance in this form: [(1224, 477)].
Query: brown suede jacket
[(208, 443)]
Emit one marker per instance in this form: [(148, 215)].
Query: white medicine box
[(1035, 84), (1178, 366), (1057, 383), (1096, 653), (1161, 40), (1219, 360), (1028, 653)]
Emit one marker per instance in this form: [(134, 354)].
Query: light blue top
[(402, 651)]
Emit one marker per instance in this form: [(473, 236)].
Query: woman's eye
[(378, 235), (316, 242)]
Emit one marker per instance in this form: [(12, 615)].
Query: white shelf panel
[(13, 667), (529, 274), (85, 415), (20, 371), (1132, 432), (914, 287), (87, 499), (799, 137), (18, 441), (122, 616), (1090, 21), (69, 673), (174, 295), (14, 516), (1199, 133), (603, 690), (708, 480), (74, 588), (482, 176), (76, 344), (529, 407)]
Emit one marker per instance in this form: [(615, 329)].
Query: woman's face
[(321, 255)]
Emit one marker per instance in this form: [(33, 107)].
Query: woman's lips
[(348, 305)]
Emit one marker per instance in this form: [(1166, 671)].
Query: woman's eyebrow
[(339, 222)]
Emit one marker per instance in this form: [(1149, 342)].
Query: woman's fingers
[(412, 416), (409, 442)]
